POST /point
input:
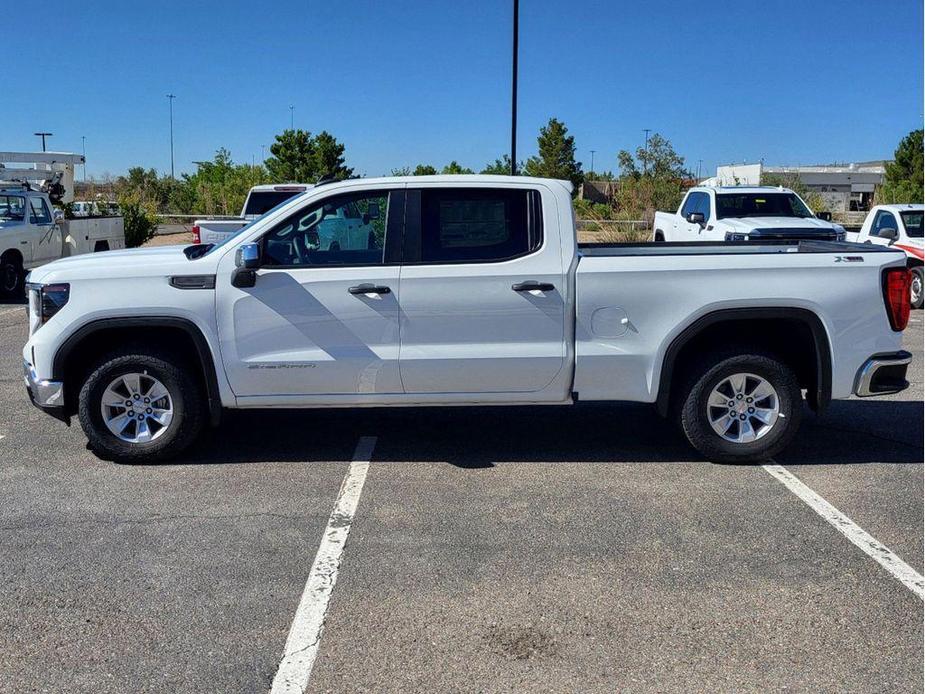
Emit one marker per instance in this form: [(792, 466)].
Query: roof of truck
[(743, 189), (903, 208), (450, 178)]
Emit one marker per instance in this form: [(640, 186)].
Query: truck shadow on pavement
[(851, 432)]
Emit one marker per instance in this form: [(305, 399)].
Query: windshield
[(247, 226), (913, 223), (760, 205), (12, 207), (261, 202)]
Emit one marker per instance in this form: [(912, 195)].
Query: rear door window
[(475, 225)]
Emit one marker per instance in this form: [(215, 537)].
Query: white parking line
[(308, 624), (877, 551)]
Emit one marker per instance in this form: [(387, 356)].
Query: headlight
[(45, 300)]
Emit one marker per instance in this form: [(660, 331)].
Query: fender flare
[(819, 399), (203, 351)]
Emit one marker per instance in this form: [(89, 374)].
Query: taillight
[(196, 238), (896, 284)]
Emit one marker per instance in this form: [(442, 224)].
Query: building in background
[(846, 188)]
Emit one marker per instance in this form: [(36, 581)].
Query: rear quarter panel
[(630, 308)]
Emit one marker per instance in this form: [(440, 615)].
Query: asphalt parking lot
[(547, 549)]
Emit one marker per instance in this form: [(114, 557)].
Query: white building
[(845, 188)]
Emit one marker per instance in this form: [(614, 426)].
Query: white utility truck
[(898, 226), (33, 232), (461, 290), (739, 213), (259, 201)]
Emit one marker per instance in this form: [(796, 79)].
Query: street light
[(83, 147), (43, 136), (592, 159), (170, 98), (645, 162), (514, 90)]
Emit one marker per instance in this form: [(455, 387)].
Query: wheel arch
[(79, 345), (758, 321)]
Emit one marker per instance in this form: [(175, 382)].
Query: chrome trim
[(44, 393), (870, 368)]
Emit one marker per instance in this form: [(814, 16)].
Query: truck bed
[(688, 248)]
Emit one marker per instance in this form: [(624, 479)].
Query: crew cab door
[(883, 220), (696, 201), (482, 293), (319, 324), (46, 233)]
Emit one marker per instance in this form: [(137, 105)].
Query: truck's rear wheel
[(140, 405), (915, 289), (742, 408)]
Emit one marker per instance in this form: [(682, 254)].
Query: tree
[(293, 159), (651, 180), (501, 166), (424, 170), (658, 160), (600, 176), (455, 168), (904, 175), (329, 157), (556, 157)]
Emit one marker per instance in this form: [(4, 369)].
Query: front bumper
[(882, 374), (48, 396)]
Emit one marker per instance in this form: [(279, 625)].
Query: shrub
[(140, 222)]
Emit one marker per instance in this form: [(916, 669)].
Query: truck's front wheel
[(742, 408), (139, 406), (11, 278)]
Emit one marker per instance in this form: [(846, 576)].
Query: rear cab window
[(912, 221)]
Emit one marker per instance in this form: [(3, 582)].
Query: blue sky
[(402, 82)]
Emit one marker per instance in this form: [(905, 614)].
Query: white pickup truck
[(32, 232), (463, 290), (898, 226), (739, 213), (259, 201)]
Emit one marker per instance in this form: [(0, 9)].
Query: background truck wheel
[(11, 278), (915, 290), (742, 408), (139, 405)]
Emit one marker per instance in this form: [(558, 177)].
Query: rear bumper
[(882, 374), (48, 396)]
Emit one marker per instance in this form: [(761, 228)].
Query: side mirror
[(59, 215), (248, 256), (246, 260), (824, 216), (888, 233), (696, 218)]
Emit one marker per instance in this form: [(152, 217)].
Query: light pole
[(645, 161), (592, 160), (43, 136), (514, 89), (263, 153), (83, 147), (170, 98), (699, 162), (291, 117)]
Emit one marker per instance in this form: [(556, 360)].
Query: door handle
[(531, 286), (369, 289)]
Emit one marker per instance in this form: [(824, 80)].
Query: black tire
[(184, 391), (709, 374), (12, 278), (915, 291)]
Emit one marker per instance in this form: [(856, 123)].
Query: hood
[(747, 224), (135, 262)]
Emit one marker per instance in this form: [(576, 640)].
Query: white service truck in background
[(33, 232), (259, 201), (461, 290), (740, 213), (899, 226)]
